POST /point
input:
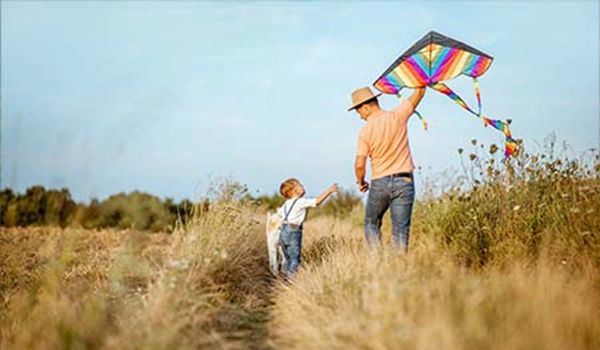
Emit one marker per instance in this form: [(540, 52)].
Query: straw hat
[(362, 95)]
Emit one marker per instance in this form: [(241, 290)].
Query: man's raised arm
[(417, 96)]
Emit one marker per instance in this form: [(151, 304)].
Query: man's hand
[(363, 186), (360, 165)]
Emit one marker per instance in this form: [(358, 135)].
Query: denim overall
[(290, 240)]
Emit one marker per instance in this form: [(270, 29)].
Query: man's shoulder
[(365, 128), (404, 109)]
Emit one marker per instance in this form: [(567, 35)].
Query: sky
[(165, 97)]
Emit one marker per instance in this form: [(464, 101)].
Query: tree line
[(52, 207), (39, 206)]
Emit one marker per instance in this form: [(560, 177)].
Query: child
[(293, 212)]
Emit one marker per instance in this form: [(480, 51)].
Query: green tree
[(6, 197)]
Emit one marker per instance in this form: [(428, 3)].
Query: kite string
[(401, 98)]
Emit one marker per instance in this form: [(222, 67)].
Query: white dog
[(273, 231)]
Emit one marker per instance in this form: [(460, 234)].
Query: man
[(384, 139)]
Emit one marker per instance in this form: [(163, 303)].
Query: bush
[(511, 207), (135, 210)]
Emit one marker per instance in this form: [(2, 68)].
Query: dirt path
[(246, 322)]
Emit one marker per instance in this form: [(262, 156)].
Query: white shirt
[(297, 215)]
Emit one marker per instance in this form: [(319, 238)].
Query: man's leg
[(378, 202), (403, 197)]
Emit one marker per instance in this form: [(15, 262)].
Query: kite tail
[(415, 111), (477, 93), (510, 143), (444, 89)]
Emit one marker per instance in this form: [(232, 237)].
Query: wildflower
[(172, 282), (224, 254), (516, 208)]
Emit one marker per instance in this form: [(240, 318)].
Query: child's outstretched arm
[(323, 196)]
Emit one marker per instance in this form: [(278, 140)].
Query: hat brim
[(365, 101)]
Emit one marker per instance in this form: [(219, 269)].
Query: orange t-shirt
[(384, 139)]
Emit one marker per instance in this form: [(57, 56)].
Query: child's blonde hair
[(288, 186)]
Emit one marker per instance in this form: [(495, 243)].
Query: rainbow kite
[(436, 58)]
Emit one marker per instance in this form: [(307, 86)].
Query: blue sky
[(165, 97)]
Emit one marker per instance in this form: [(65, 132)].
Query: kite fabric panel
[(434, 59)]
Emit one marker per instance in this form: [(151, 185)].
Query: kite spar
[(434, 59)]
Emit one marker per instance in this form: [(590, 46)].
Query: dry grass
[(56, 284), (194, 289), (379, 299), (510, 262)]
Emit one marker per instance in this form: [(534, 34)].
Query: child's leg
[(294, 249), (284, 241)]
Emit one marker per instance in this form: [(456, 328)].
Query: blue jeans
[(397, 193), (291, 243)]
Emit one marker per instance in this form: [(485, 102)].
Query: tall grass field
[(505, 257)]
